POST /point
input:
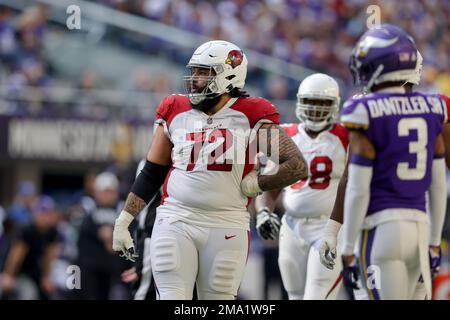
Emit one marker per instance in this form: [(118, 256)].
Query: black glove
[(435, 260), (267, 224), (350, 275)]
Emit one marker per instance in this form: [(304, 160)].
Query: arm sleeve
[(356, 203), (149, 180), (438, 200)]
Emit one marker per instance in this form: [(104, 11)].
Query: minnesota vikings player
[(397, 156)]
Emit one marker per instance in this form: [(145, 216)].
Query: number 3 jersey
[(403, 128), (210, 157), (325, 154)]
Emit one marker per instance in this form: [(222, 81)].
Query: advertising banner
[(72, 140)]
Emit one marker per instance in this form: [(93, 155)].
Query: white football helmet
[(228, 63), (317, 116)]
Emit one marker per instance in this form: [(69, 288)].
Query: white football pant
[(304, 277), (393, 256), (184, 254)]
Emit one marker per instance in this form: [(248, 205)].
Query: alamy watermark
[(373, 280), (374, 18), (73, 280), (73, 21)]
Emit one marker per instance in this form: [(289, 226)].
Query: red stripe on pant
[(248, 245), (334, 285)]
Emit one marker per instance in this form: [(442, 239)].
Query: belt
[(311, 219)]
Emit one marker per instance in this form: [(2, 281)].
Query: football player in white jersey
[(203, 151), (308, 203)]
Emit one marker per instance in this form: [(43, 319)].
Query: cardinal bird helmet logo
[(234, 58)]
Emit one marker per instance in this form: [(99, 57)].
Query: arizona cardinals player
[(308, 203), (203, 151)]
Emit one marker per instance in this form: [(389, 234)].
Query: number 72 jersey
[(403, 128), (210, 157)]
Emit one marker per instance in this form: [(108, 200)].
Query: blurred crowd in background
[(40, 236), (44, 241), (315, 34)]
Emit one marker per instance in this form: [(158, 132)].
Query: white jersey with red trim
[(314, 196), (209, 159)]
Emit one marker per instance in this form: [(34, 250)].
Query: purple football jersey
[(403, 128)]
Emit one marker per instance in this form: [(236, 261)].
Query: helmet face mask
[(317, 113), (318, 102), (200, 83)]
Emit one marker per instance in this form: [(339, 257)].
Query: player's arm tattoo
[(134, 204), (292, 165)]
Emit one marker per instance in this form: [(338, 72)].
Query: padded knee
[(165, 254), (223, 277)]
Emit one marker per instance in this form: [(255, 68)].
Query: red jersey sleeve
[(164, 110), (266, 113), (169, 108), (447, 106), (258, 111)]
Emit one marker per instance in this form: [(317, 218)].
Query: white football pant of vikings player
[(392, 272)]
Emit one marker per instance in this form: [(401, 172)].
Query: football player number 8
[(417, 147), (321, 168)]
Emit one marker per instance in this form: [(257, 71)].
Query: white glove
[(122, 241), (249, 185), (327, 250), (267, 224)]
